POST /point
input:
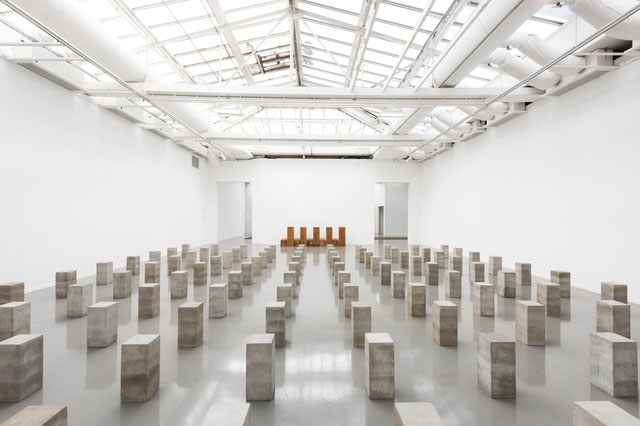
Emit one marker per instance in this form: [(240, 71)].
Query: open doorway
[(391, 210), (234, 210)]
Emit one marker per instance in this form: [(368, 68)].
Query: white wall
[(248, 219), (319, 193), (82, 185), (557, 186), (396, 209), (231, 205)]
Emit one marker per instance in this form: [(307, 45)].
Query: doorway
[(234, 210), (391, 210)]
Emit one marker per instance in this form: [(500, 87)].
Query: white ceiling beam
[(366, 34)]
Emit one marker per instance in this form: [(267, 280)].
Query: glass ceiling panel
[(330, 13)]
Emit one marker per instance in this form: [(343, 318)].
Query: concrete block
[(477, 272), (601, 413), (228, 414), (337, 268), (613, 291), (474, 256), (11, 292), (395, 255), (246, 270), (122, 284), (190, 259), (174, 263), (404, 259), (497, 365), (201, 273), (218, 300), (614, 364), (39, 415), (483, 302), (102, 324), (350, 295), (495, 265), (276, 325), (184, 249), (260, 367), (379, 360), (416, 414), (549, 295), (235, 284), (431, 273), (375, 265), (453, 284), (237, 257), (244, 251), (256, 266), (104, 273), (155, 256), (215, 265), (152, 272), (290, 278), (416, 266), (227, 260), (172, 251), (190, 324), (133, 265), (387, 252), (385, 273), (457, 251), (506, 284), (445, 323), (140, 368), (264, 259), (269, 254), (360, 322), (523, 273), (362, 255), (63, 280), (367, 259), (415, 250), (398, 281), (20, 367), (148, 300), (417, 299), (78, 300), (426, 255), (204, 254), (530, 323), (178, 284), (456, 263), (439, 258), (295, 267), (284, 293), (15, 318), (215, 250), (563, 279), (614, 317), (343, 278)]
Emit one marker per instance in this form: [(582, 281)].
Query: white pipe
[(490, 113), (543, 52), (598, 13), (521, 68), (449, 118), (440, 127)]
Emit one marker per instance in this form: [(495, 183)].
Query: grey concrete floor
[(320, 377)]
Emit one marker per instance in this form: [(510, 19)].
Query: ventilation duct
[(543, 52), (449, 118), (440, 127), (598, 13), (521, 68), (492, 112)]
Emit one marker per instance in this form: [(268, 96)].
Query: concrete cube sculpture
[(495, 265), (215, 265), (218, 300), (264, 259), (453, 284), (256, 267), (284, 293), (614, 364), (39, 415), (172, 251), (367, 259), (200, 273), (152, 272), (385, 273), (483, 301), (78, 300), (614, 317), (244, 251), (416, 266), (457, 251), (398, 281), (416, 414), (362, 255), (235, 284), (549, 295), (474, 256), (102, 324), (11, 292), (155, 256), (237, 256), (563, 279), (523, 273), (350, 295), (227, 260), (337, 268), (530, 323), (122, 284), (601, 413), (290, 277), (276, 325), (15, 318), (431, 272), (375, 265), (133, 265), (415, 249), (204, 254), (21, 364), (379, 360), (190, 324), (404, 259), (496, 365), (190, 259), (148, 300), (445, 323), (417, 299), (184, 249), (613, 291), (343, 278), (360, 322), (426, 255), (477, 272), (174, 263), (140, 368), (260, 367), (104, 273), (215, 250), (387, 252), (178, 284), (506, 284), (246, 270), (395, 255), (456, 263), (439, 259), (63, 280)]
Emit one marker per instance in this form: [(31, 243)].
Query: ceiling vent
[(274, 60)]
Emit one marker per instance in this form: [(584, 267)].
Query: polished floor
[(319, 376)]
